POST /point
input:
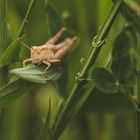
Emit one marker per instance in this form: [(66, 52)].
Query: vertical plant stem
[(138, 113), (74, 97), (3, 45), (138, 125), (3, 26), (3, 39)]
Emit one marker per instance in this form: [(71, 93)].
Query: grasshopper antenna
[(22, 43)]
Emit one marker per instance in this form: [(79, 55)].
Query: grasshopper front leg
[(25, 61), (48, 66)]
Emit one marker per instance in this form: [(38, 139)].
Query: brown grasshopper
[(50, 52)]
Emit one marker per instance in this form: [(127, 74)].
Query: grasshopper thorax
[(40, 54)]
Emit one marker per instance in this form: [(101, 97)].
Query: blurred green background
[(101, 118)]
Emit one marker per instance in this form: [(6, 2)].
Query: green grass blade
[(13, 90), (3, 26), (3, 39), (13, 49), (55, 22), (27, 16), (10, 54)]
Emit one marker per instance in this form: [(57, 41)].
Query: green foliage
[(121, 65), (104, 80), (131, 12), (121, 62), (74, 100), (112, 103), (119, 76), (3, 38), (3, 26), (54, 19), (36, 74), (13, 90), (46, 132), (10, 54)]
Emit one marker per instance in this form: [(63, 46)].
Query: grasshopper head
[(35, 54)]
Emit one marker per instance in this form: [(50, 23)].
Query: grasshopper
[(50, 52)]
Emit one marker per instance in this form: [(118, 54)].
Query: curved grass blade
[(13, 50), (10, 54), (27, 16), (14, 90)]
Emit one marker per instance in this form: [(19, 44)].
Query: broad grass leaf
[(36, 74), (100, 102), (10, 54), (104, 80), (13, 90), (121, 62)]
